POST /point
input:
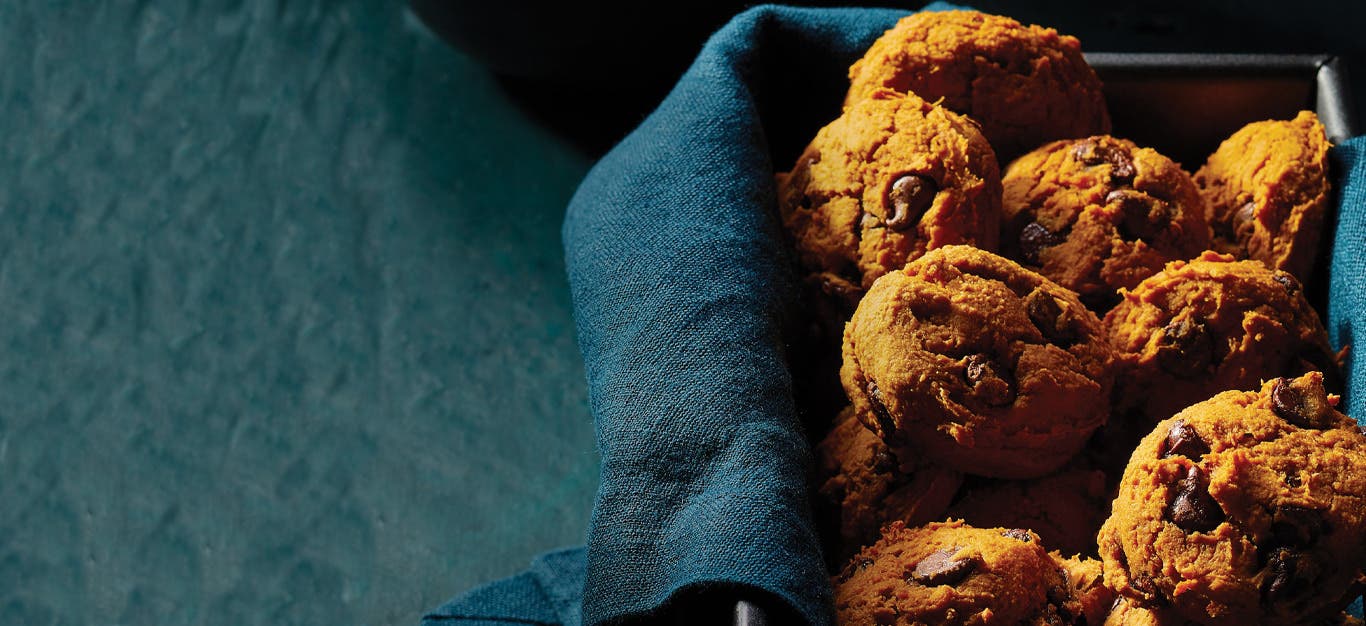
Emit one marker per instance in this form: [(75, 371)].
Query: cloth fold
[(680, 283)]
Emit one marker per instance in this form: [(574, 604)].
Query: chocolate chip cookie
[(1099, 214), (892, 177), (977, 363), (1207, 325), (1087, 578), (1026, 85), (1267, 191), (862, 485), (1247, 508), (951, 573)]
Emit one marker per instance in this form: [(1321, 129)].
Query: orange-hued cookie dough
[(1208, 325), (861, 483), (1025, 85), (977, 363), (1267, 192), (950, 573), (891, 178), (1100, 213), (1248, 508)]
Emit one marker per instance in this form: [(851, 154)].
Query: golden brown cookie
[(977, 363), (950, 573), (1025, 84), (1087, 578), (1065, 508), (1267, 191), (1100, 213), (1248, 508), (1208, 325), (889, 179), (861, 484)]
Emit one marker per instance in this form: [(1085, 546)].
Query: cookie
[(1087, 579), (977, 363), (1248, 508), (1209, 325), (1127, 612), (1065, 508), (861, 486), (1026, 85), (891, 178), (1099, 214), (1267, 191), (951, 573)]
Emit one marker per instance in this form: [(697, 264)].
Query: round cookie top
[(1100, 213), (978, 363), (1207, 325), (892, 177), (1267, 191), (861, 484), (1026, 85), (1248, 508), (952, 573)]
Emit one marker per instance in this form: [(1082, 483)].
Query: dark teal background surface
[(286, 334)]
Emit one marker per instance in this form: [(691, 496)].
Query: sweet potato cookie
[(1248, 508), (977, 363), (891, 178), (951, 573), (1099, 214), (1025, 85), (1267, 192), (862, 485), (1208, 325)]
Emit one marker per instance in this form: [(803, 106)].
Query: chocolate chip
[(884, 417), (940, 568), (1304, 404), (1280, 582), (1047, 314), (854, 566), (1144, 584), (1122, 169), (1193, 509), (1183, 440), (884, 462), (990, 381), (1018, 534), (1141, 216), (1291, 285), (1034, 239), (909, 197), (1185, 348)]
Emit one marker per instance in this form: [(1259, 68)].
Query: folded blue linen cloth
[(680, 281)]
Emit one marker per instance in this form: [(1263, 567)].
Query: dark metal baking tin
[(1184, 105)]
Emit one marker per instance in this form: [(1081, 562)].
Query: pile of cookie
[(1073, 383)]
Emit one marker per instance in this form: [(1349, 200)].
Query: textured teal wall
[(286, 336)]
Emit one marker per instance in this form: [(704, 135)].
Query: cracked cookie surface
[(951, 573), (1247, 508), (977, 363), (1026, 85), (1267, 192), (1099, 214)]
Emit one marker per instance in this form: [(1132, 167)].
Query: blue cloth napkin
[(680, 282)]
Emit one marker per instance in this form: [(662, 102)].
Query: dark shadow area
[(592, 73)]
